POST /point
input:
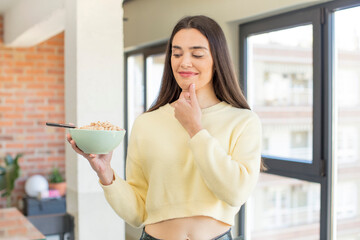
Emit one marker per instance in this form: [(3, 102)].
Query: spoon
[(60, 125)]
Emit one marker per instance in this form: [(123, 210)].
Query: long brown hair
[(225, 82)]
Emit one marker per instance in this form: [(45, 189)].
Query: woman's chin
[(186, 86)]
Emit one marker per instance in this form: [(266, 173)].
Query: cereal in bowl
[(102, 126)]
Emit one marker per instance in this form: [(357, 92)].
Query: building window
[(299, 139), (301, 74)]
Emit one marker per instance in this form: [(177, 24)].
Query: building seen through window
[(347, 122), (280, 90)]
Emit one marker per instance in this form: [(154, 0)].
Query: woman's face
[(191, 59)]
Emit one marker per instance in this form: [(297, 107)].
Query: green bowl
[(97, 141)]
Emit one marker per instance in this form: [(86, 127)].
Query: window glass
[(347, 123), (280, 90), (281, 208), (135, 88), (154, 72), (138, 82)]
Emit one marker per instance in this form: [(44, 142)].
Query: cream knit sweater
[(169, 175)]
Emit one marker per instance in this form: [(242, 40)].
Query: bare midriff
[(189, 228)]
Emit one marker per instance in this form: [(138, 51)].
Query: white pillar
[(94, 92)]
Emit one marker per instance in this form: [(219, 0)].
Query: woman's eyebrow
[(198, 47), (194, 47)]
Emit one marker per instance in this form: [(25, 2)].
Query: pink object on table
[(51, 193)]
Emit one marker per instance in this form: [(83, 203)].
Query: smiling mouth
[(187, 74)]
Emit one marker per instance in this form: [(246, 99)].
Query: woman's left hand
[(188, 111)]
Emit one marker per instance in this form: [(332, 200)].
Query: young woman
[(194, 156)]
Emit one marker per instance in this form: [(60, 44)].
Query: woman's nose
[(186, 62)]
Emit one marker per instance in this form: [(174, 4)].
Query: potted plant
[(57, 182), (8, 175)]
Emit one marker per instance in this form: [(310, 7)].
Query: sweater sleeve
[(127, 198), (232, 175)]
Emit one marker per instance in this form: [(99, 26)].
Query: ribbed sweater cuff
[(203, 133), (109, 188)]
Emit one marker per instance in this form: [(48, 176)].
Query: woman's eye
[(197, 54), (176, 55)]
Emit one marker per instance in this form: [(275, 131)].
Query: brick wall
[(31, 93)]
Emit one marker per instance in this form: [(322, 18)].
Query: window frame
[(322, 171), (328, 226), (281, 166)]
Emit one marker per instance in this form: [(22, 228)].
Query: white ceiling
[(6, 4)]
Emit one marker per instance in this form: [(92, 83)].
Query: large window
[(301, 75), (135, 88), (281, 206), (280, 89), (154, 71), (144, 69), (346, 95)]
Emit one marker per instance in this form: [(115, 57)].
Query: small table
[(15, 226)]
